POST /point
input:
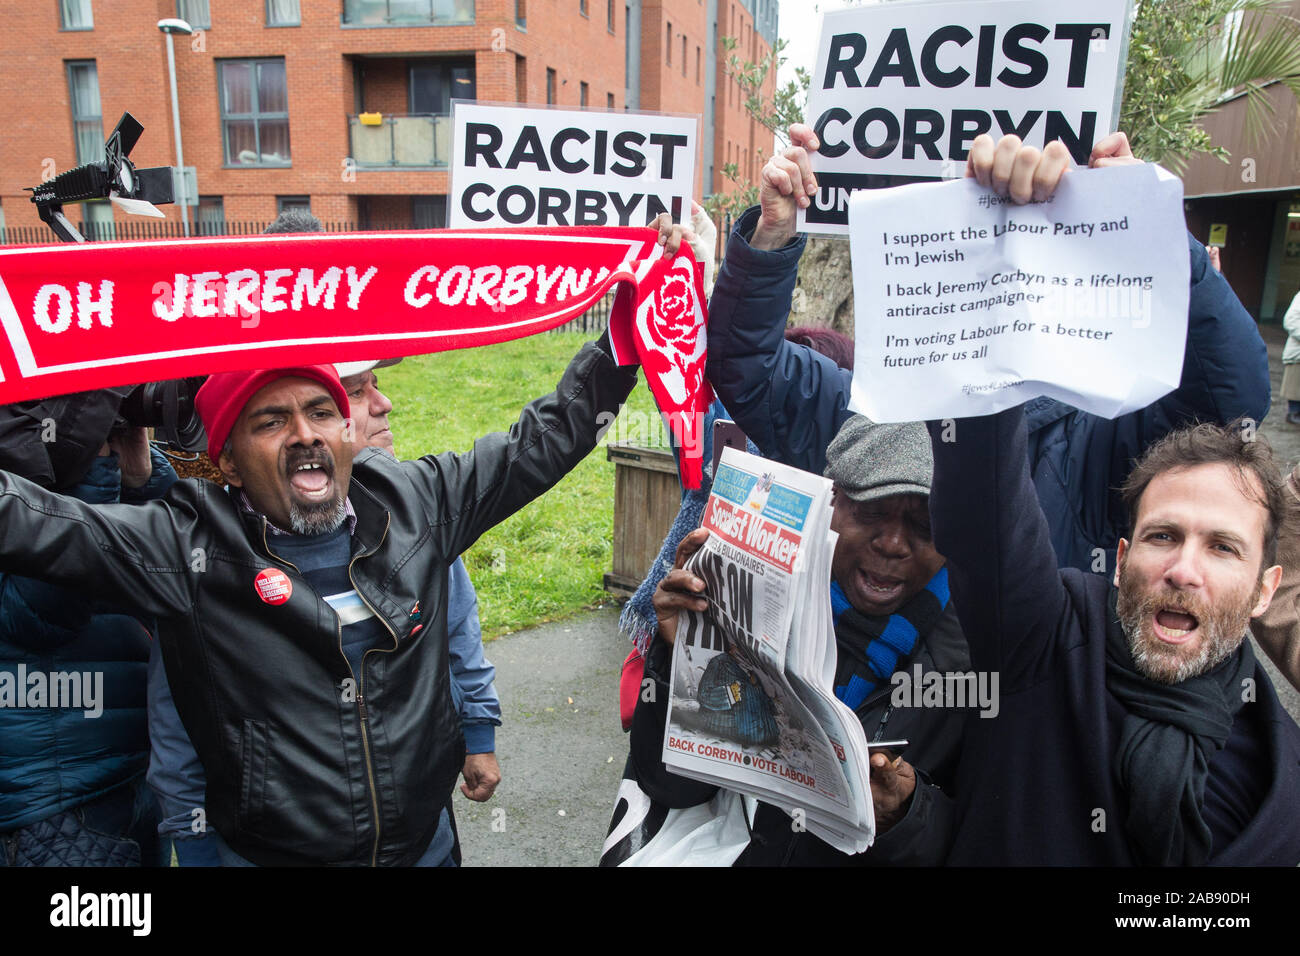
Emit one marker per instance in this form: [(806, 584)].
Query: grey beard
[(324, 518), (1166, 666)]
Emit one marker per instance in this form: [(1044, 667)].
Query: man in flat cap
[(889, 600)]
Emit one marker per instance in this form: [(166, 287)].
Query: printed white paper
[(967, 304)]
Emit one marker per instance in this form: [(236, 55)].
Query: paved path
[(561, 746)]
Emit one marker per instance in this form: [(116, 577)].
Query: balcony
[(407, 13), (400, 142)]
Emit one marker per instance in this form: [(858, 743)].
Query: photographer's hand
[(133, 456)]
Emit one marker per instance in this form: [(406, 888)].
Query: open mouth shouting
[(881, 588), (1174, 626), (312, 477)]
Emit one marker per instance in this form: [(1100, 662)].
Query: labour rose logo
[(670, 324)]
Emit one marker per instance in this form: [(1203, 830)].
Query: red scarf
[(81, 317)]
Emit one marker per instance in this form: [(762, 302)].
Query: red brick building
[(342, 105)]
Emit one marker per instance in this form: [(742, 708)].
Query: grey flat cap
[(868, 460)]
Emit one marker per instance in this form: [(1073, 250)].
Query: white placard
[(903, 89), (532, 166), (967, 304)]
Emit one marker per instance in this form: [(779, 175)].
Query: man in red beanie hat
[(302, 611)]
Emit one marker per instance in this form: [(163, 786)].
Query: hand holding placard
[(968, 304)]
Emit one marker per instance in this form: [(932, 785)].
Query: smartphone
[(896, 747), (726, 435)]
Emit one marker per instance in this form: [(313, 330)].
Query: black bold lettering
[(635, 164), (877, 114), (1079, 144), (745, 610), (834, 115), (503, 205), (1080, 36), (667, 144), (1008, 125), (984, 61), (855, 44), (467, 202), (895, 60), (625, 211), (558, 159), (589, 210), (528, 149), (930, 53), (602, 137), (914, 137), (653, 207), (476, 145), (966, 125), (1013, 49), (552, 202)]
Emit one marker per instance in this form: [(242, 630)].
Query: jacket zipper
[(361, 702)]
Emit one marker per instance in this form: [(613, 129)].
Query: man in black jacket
[(1136, 726), (302, 613)]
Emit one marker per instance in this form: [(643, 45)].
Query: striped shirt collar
[(247, 505)]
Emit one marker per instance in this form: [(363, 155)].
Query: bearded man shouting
[(1136, 726)]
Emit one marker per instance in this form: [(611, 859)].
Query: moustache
[(318, 456)]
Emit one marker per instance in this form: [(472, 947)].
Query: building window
[(283, 13), (668, 43), (195, 13), (210, 218), (377, 13), (521, 13), (609, 15), (582, 94), (254, 112), (582, 8), (76, 15), (433, 84), (683, 54), (697, 66), (609, 100), (296, 203), (429, 212), (550, 85), (87, 116)]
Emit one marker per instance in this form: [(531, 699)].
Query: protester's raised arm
[(989, 525), (466, 494)]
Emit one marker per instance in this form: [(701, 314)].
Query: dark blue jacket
[(1036, 785), (791, 401), (53, 759)]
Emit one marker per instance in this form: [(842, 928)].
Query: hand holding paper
[(968, 304)]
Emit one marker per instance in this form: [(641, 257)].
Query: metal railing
[(400, 141)]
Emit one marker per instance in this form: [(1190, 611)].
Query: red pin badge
[(273, 585)]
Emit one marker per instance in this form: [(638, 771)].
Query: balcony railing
[(381, 13), (400, 141)]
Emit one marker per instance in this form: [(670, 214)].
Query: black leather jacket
[(306, 762)]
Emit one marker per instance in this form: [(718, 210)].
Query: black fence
[(594, 321)]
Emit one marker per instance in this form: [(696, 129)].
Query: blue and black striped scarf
[(871, 647)]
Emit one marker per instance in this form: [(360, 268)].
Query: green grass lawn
[(545, 562)]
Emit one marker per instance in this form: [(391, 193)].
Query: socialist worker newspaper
[(752, 706)]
